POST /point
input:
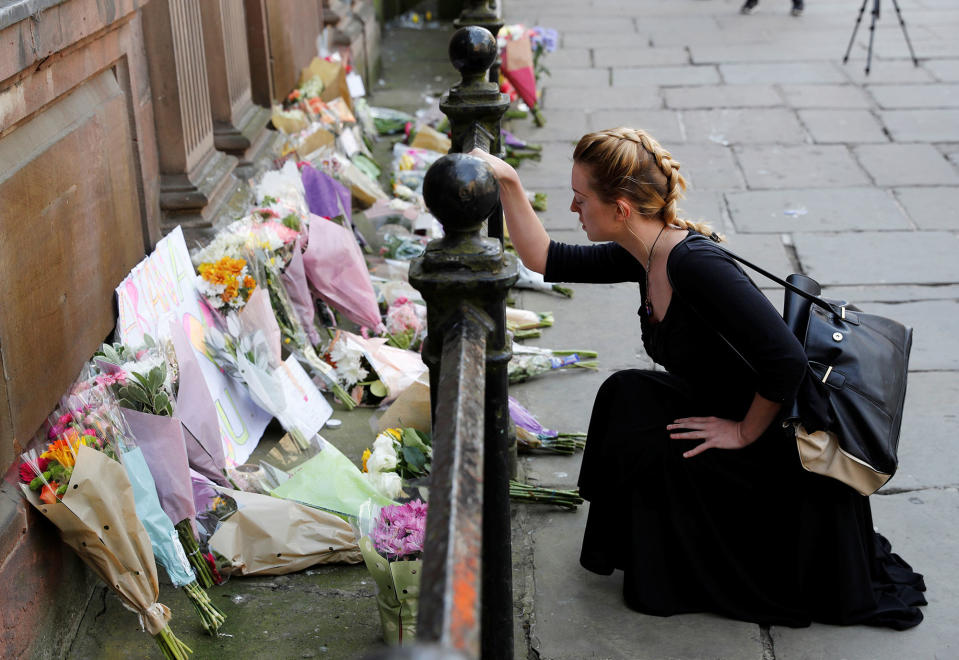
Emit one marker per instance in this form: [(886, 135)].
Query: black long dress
[(744, 533)]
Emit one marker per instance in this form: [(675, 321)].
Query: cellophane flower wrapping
[(337, 271), (392, 544), (330, 481)]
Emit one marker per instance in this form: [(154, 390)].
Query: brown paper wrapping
[(272, 536), (97, 518), (290, 123), (333, 75), (428, 137), (315, 141), (410, 409)]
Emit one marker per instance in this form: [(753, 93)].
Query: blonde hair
[(630, 163)]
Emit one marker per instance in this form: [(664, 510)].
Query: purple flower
[(546, 37)]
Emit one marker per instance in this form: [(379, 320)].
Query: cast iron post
[(484, 14), (466, 269)]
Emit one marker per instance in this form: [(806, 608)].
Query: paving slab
[(842, 126), (597, 26), (614, 632), (815, 209), (602, 98), (906, 164), (744, 126), (709, 166), (875, 258), (931, 208), (922, 527), (915, 96), (663, 125), (708, 207), (895, 293), (922, 125), (825, 96), (935, 326), (766, 251), (776, 72), (943, 70), (562, 125), (666, 76), (552, 170), (951, 152), (577, 78), (640, 57), (884, 71), (928, 451), (758, 52), (557, 215), (612, 39), (722, 96), (568, 57), (818, 166)]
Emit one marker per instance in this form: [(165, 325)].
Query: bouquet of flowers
[(256, 534), (529, 279), (521, 51), (531, 361), (567, 499), (99, 408), (78, 483), (531, 435), (145, 383), (405, 324), (392, 550), (525, 324), (397, 455)]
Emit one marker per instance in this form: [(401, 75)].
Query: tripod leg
[(872, 34), (902, 24), (854, 30)]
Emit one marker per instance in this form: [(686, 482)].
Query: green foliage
[(292, 221), (146, 393), (416, 454)]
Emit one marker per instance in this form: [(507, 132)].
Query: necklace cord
[(648, 306)]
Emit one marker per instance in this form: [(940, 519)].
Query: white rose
[(391, 485), (380, 461)]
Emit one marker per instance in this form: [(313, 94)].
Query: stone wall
[(118, 120), (77, 209)]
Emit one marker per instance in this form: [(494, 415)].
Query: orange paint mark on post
[(464, 631)]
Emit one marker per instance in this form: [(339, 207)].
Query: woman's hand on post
[(715, 432), (525, 229), (502, 170)]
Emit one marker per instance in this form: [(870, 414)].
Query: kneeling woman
[(695, 492)]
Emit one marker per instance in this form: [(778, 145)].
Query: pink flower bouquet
[(392, 553)]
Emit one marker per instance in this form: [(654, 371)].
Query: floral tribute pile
[(299, 307)]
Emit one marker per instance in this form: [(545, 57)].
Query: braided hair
[(630, 163)]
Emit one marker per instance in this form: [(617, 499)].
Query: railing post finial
[(475, 100)]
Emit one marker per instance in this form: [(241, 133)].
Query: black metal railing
[(466, 598)]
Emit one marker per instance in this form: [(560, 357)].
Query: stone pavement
[(806, 164)]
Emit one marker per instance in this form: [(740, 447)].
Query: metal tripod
[(872, 32)]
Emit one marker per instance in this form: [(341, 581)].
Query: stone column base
[(247, 140), (193, 200)]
